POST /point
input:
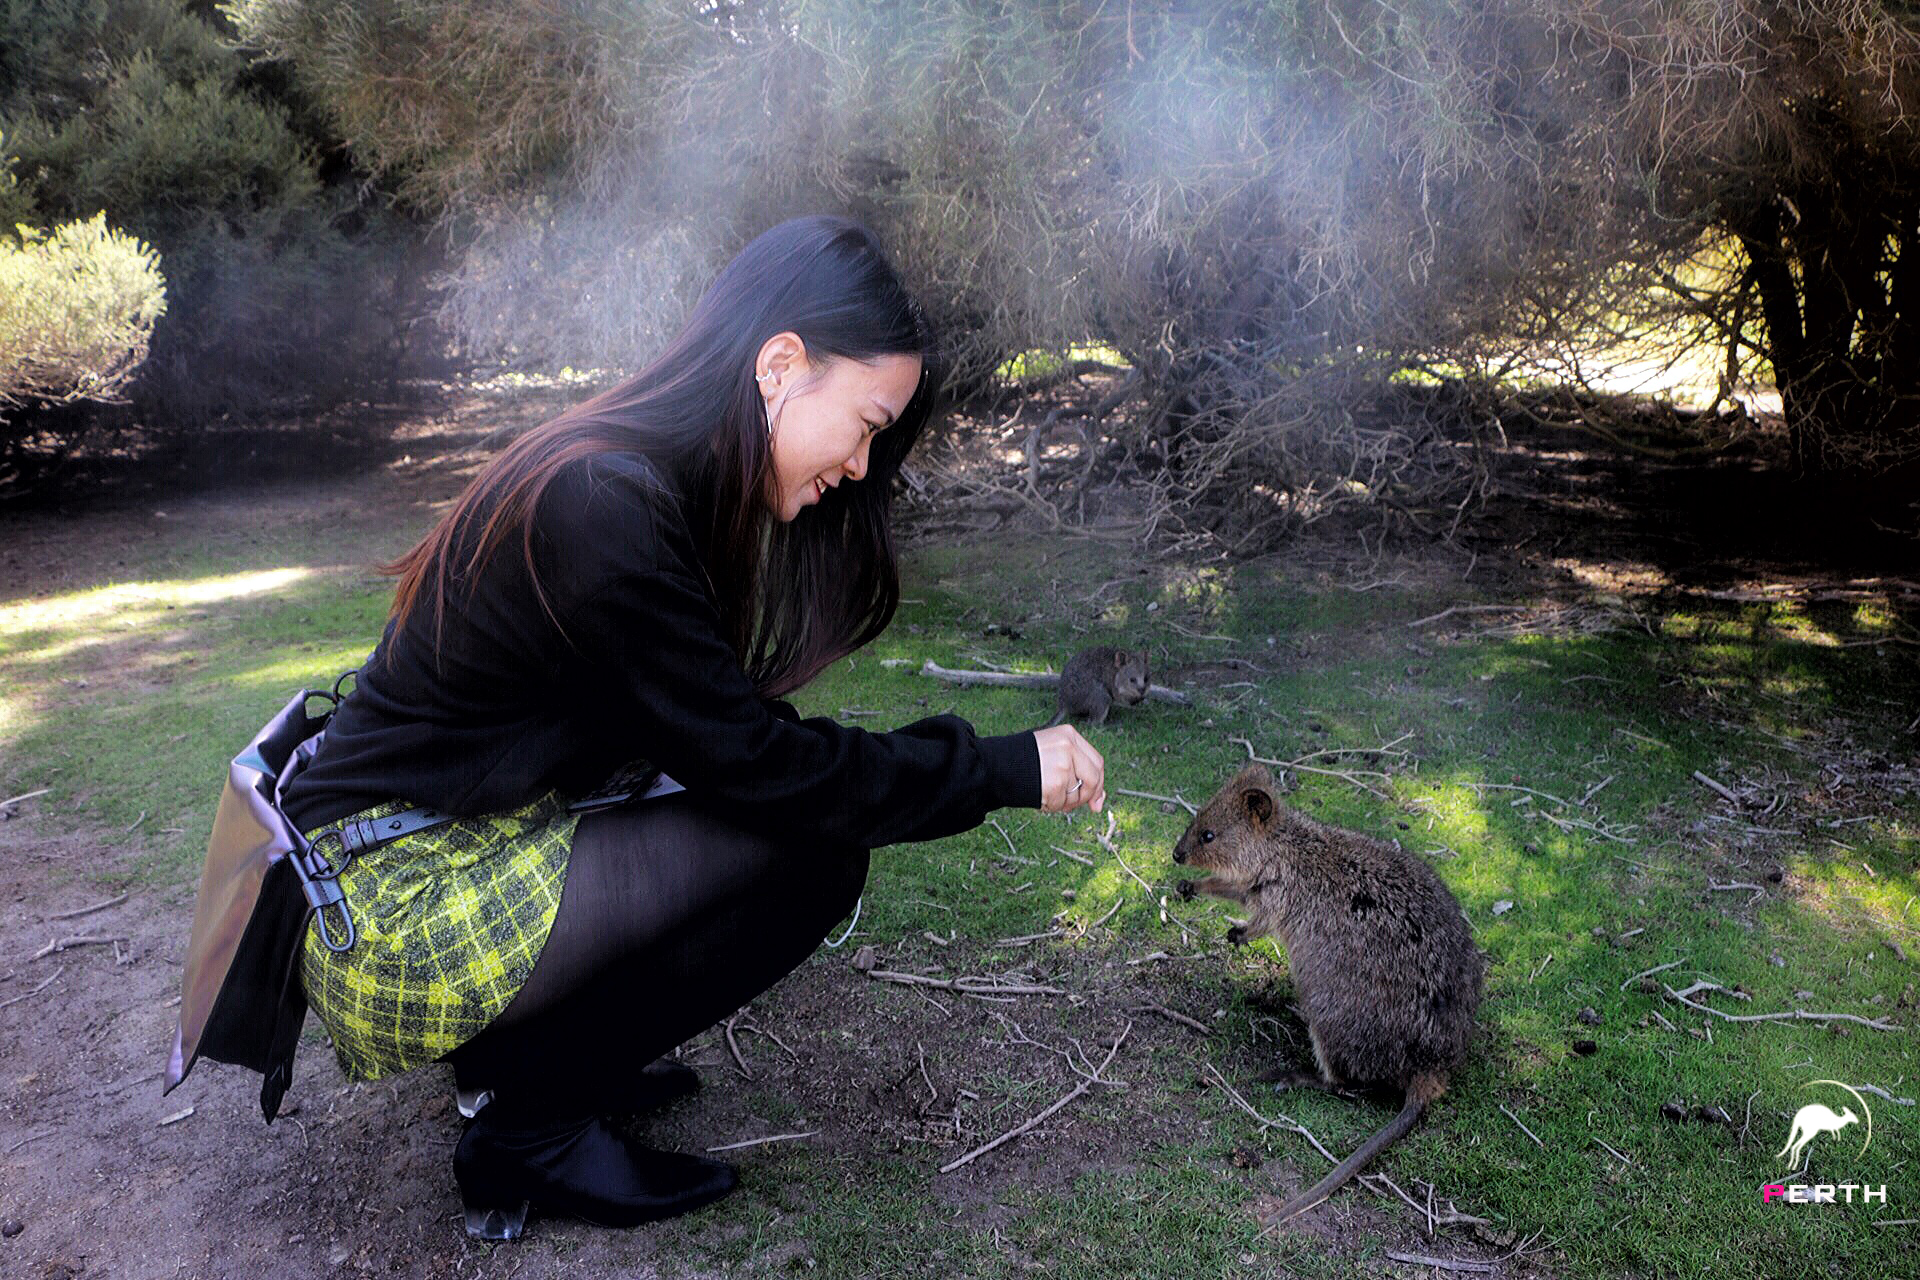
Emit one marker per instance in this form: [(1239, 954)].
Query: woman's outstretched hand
[(1072, 773)]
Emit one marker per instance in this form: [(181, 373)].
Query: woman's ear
[(782, 361)]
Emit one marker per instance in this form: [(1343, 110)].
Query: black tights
[(671, 918)]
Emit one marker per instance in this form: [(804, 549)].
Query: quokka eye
[(1206, 837)]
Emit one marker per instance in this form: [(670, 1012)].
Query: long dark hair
[(792, 597)]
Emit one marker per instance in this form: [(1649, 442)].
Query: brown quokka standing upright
[(1382, 957), (1096, 680)]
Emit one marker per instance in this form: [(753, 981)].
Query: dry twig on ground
[(1087, 1081), (1789, 1015)]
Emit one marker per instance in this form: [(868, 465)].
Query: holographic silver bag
[(240, 996)]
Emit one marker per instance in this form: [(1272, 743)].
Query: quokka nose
[(1179, 854)]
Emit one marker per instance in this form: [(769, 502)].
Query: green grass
[(185, 654), (1038, 364)]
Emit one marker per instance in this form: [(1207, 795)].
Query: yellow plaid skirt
[(450, 922)]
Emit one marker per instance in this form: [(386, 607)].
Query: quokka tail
[(1394, 1130)]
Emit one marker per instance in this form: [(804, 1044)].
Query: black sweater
[(509, 707)]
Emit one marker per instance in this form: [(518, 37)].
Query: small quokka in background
[(1382, 957), (1095, 679)]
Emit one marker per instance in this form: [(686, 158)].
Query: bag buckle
[(320, 884)]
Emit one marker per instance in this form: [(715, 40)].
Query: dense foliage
[(286, 284), (1272, 209), (1268, 207), (77, 308)]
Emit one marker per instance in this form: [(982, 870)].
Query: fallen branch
[(1284, 1122), (1026, 938), (966, 985), (920, 1051), (1087, 1082), (1160, 693), (1175, 1016), (1567, 824), (1130, 871), (77, 912), (1350, 776), (1444, 1264), (1452, 1217), (1465, 608), (1615, 1154), (734, 1046), (1037, 680), (1148, 795), (1523, 1127), (1033, 680), (1385, 748), (1512, 786), (5, 1004), (759, 1030), (61, 944), (1629, 733), (1648, 973), (29, 1139), (761, 1142), (1716, 788), (1790, 1015)]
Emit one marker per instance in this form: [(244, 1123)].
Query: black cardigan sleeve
[(641, 615)]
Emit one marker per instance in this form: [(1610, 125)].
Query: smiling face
[(824, 416)]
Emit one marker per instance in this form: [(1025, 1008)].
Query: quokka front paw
[(1187, 890), (1237, 935)]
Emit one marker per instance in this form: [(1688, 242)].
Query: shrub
[(77, 308)]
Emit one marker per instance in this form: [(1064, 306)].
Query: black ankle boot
[(579, 1169), (660, 1082)]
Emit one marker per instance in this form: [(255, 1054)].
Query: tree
[(1782, 141), (1271, 208), (286, 282)]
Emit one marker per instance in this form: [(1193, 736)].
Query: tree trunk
[(1815, 280)]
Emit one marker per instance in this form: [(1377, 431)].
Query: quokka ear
[(1120, 657), (1259, 806)]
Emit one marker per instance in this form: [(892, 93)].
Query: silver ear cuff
[(761, 377)]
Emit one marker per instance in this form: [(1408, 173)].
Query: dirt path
[(100, 1175), (104, 1177)]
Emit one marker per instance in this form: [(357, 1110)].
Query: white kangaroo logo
[(1809, 1122), (1814, 1119)]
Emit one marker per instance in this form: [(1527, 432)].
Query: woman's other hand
[(1072, 773)]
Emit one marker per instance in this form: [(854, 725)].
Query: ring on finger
[(1075, 787)]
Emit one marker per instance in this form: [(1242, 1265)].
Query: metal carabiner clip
[(320, 884), (327, 938), (318, 866)]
